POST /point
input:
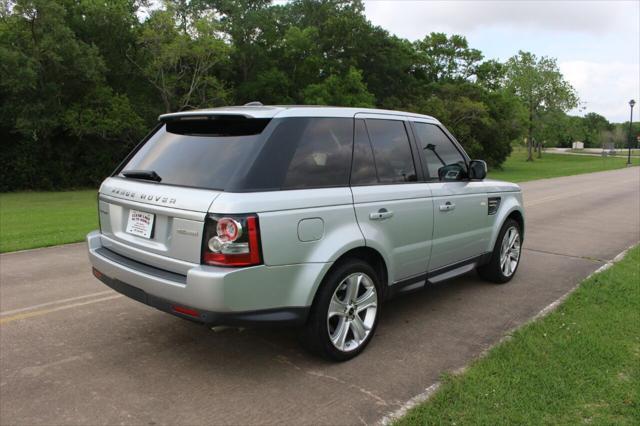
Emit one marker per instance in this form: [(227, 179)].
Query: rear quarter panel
[(280, 214), (282, 230)]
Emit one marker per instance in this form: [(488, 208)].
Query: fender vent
[(494, 204)]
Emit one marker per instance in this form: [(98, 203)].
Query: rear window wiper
[(142, 174)]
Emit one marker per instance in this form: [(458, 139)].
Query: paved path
[(73, 352), (590, 152)]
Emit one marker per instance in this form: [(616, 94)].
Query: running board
[(451, 273), (436, 276)]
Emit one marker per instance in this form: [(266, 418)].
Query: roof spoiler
[(201, 115)]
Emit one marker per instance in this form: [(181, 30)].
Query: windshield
[(201, 153)]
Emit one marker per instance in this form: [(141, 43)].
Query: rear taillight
[(231, 241)]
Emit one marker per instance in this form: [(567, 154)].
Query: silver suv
[(307, 216)]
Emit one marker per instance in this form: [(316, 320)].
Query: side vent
[(494, 204)]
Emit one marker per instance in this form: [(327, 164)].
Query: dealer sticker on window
[(140, 223)]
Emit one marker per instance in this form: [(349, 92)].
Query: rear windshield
[(198, 153), (249, 154)]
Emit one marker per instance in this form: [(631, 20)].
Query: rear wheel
[(345, 313), (506, 254)]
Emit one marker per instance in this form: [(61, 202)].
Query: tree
[(251, 28), (485, 122), (541, 87), (491, 74), (81, 80), (444, 58), (179, 60), (594, 124), (57, 104), (347, 90)]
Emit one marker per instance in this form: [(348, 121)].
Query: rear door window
[(363, 171), (391, 151)]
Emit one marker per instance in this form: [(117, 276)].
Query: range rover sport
[(305, 216)]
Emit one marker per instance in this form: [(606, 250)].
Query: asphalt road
[(73, 352)]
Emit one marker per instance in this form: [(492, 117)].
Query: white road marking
[(55, 302), (31, 314)]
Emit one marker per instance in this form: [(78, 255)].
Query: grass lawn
[(517, 169), (578, 365), (40, 219)]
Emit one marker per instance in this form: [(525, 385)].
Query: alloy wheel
[(352, 312), (510, 251)]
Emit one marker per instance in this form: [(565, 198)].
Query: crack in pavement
[(573, 256), (315, 373)]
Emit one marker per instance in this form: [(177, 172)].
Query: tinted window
[(302, 153), (323, 154), (198, 153), (363, 171), (391, 150), (437, 149), (250, 155)]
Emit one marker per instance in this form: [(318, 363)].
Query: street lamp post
[(631, 104)]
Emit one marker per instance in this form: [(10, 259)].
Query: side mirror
[(477, 169)]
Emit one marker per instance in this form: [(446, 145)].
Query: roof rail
[(254, 103)]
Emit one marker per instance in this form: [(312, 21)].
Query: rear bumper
[(277, 316), (220, 296)]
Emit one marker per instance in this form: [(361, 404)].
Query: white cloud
[(413, 18), (605, 88), (596, 43)]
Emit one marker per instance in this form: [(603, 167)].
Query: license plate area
[(140, 224)]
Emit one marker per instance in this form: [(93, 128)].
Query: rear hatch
[(171, 240), (153, 208)]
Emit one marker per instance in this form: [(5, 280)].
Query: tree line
[(81, 81)]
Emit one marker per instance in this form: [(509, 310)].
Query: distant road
[(620, 153), (73, 352)]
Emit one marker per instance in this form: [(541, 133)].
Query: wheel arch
[(511, 208), (365, 253), (518, 217)]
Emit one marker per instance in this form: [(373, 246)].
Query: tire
[(341, 325), (495, 271)]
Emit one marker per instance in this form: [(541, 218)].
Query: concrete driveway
[(73, 352)]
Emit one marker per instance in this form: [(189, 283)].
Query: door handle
[(448, 206), (380, 214)]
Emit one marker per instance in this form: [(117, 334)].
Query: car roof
[(280, 111)]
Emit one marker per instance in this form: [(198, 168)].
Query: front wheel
[(506, 254), (344, 316)]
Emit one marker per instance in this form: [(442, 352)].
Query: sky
[(596, 43)]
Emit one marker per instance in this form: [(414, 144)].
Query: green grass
[(578, 365), (517, 169), (40, 219)]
